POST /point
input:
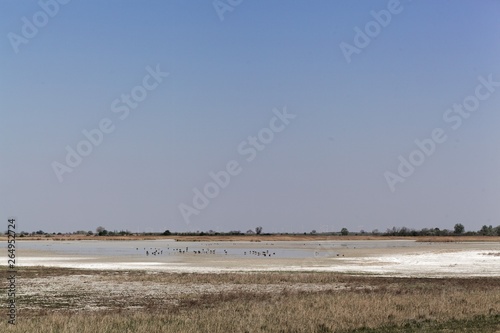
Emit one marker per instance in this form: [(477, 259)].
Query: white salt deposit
[(427, 264)]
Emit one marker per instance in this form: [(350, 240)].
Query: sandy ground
[(420, 260), (94, 292)]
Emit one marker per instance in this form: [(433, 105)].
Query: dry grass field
[(86, 301)]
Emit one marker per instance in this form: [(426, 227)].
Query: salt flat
[(384, 257)]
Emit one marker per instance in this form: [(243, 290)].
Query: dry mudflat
[(88, 301)]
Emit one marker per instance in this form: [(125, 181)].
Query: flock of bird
[(154, 251)]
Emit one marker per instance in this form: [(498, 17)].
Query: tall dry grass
[(367, 301), (330, 312)]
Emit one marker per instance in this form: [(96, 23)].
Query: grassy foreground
[(297, 302)]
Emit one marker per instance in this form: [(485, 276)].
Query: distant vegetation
[(458, 230)]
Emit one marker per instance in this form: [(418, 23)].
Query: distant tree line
[(458, 229), (256, 231)]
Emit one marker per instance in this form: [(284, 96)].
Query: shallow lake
[(169, 248)]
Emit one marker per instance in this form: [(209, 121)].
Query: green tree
[(459, 228), (344, 232), (486, 230)]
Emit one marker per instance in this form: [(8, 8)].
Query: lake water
[(391, 257), (169, 248)]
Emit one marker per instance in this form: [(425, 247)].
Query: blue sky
[(324, 171)]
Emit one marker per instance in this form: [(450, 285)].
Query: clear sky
[(70, 67)]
